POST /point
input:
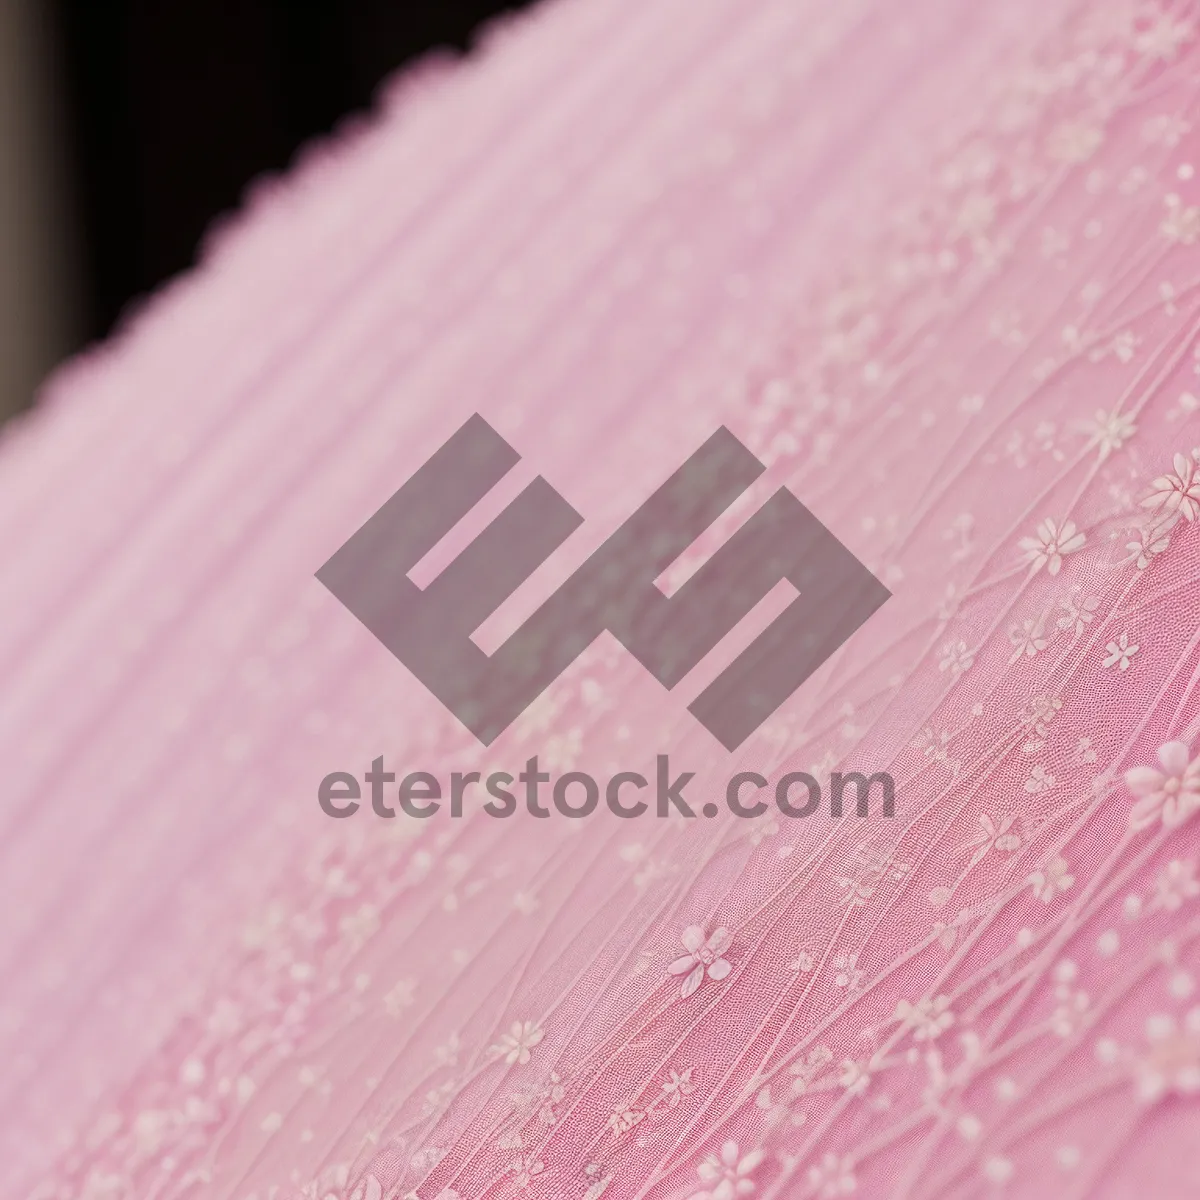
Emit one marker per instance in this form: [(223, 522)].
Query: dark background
[(127, 126), (172, 106)]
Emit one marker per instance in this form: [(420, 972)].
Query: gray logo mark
[(429, 630)]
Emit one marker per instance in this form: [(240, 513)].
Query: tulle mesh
[(935, 263)]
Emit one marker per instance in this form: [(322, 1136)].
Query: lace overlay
[(937, 267)]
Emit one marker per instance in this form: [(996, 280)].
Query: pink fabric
[(935, 263)]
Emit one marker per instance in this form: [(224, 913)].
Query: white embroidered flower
[(1121, 652), (807, 1069), (515, 1045), (1176, 883), (1122, 346), (854, 1076), (1109, 431), (1152, 539), (1178, 492), (446, 1055), (1187, 404), (400, 997), (832, 1177), (541, 1099), (1045, 437), (802, 962), (956, 658), (998, 1169), (1040, 780), (969, 1127), (727, 1174), (975, 215), (600, 1180), (1182, 222), (1163, 37), (1170, 795), (1028, 638), (525, 1168), (855, 892), (678, 1085), (701, 956), (624, 1118), (562, 750), (1050, 543), (1070, 1003), (1052, 879), (1039, 712), (928, 1018), (359, 926), (848, 974), (933, 742), (1171, 1060), (947, 932), (1167, 129), (1077, 613), (993, 835)]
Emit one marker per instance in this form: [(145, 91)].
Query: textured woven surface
[(935, 264)]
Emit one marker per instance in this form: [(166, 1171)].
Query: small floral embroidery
[(1050, 544), (993, 835), (854, 1076), (1040, 780), (1071, 1003), (807, 1069), (1162, 38), (1110, 431), (1170, 795), (1152, 539), (677, 1085), (1028, 639), (1178, 492), (515, 1045), (1077, 613), (928, 1018), (400, 997), (998, 1169), (1121, 652), (832, 1177), (848, 973), (543, 1099), (1171, 1060), (525, 1169), (727, 1174), (1176, 883), (599, 1180), (1052, 879), (701, 956), (624, 1118), (956, 658)]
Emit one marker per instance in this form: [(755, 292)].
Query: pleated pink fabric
[(935, 263)]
